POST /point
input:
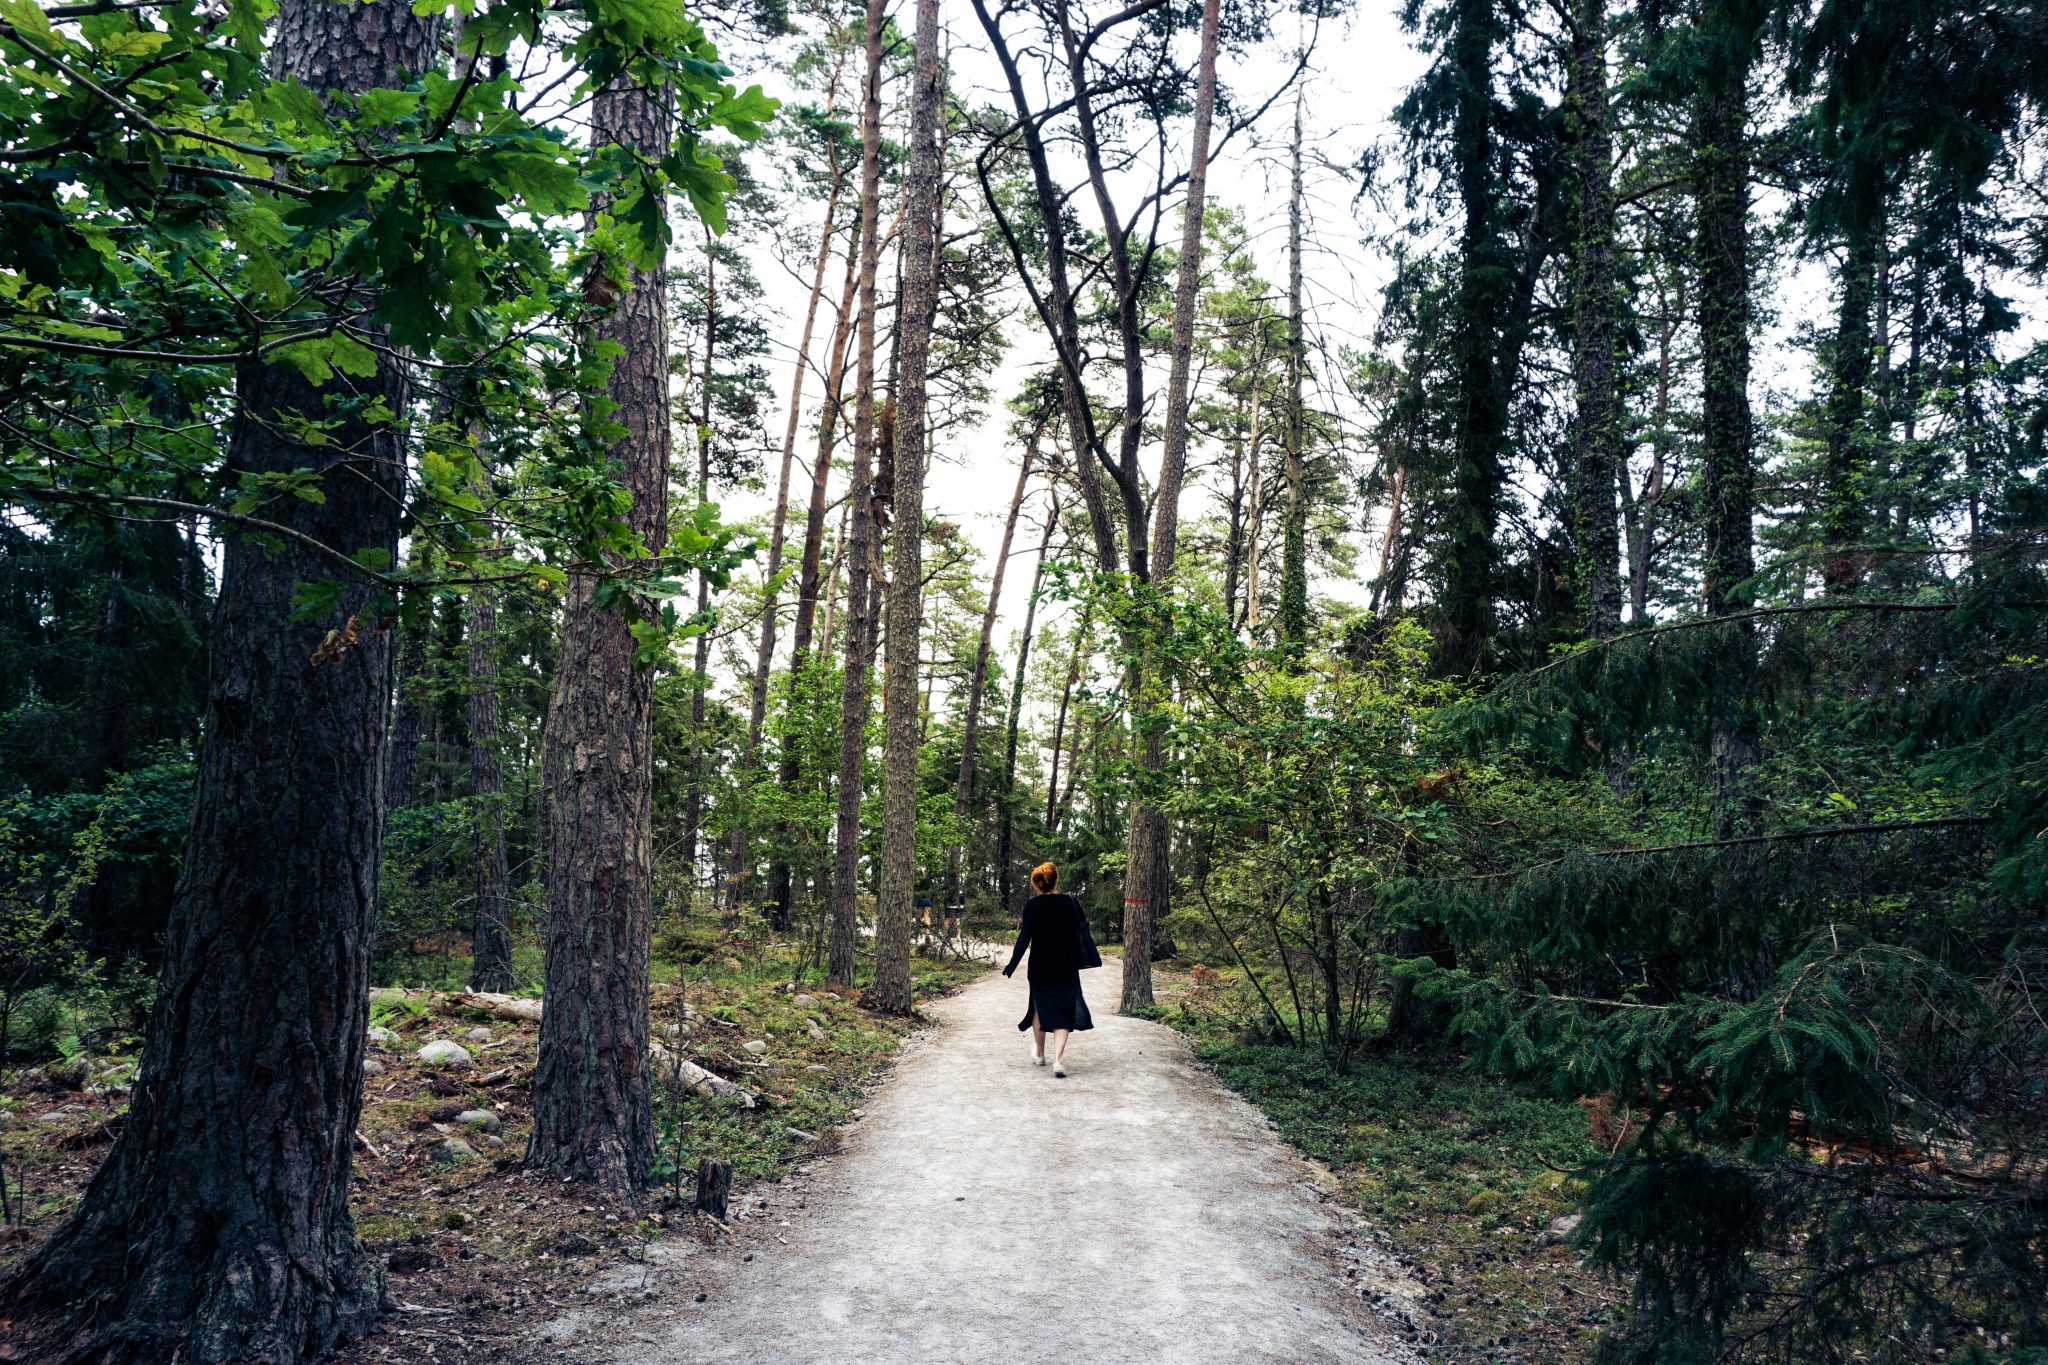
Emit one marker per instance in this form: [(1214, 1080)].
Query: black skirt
[(1059, 1004)]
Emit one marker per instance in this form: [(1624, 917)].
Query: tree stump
[(714, 1187)]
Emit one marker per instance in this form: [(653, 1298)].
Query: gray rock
[(444, 1052), (754, 1047), (384, 1037), (480, 1119), (372, 1067), (817, 1034), (493, 1140), (478, 1035), (72, 1075), (1560, 1231), (802, 1000), (451, 1152)]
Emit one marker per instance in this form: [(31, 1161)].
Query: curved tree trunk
[(1147, 871), (918, 301), (592, 1118), (218, 1228)]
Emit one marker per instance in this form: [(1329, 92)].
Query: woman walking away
[(1055, 929)]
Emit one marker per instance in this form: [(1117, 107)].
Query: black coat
[(1056, 930)]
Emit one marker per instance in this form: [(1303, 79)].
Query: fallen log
[(513, 1007), (697, 1079)]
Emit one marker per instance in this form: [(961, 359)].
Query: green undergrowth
[(811, 1084), (1467, 1176)]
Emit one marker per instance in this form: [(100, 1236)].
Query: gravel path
[(985, 1211)]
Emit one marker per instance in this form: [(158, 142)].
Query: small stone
[(817, 1067), (478, 1035), (384, 1037), (443, 1052), (802, 1000), (480, 1119), (817, 1034), (754, 1047), (493, 1140), (701, 1296), (1559, 1231), (800, 1135), (72, 1075), (372, 1067), (451, 1152)]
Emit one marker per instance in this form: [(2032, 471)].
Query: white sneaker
[(1037, 1057), (1058, 1069)]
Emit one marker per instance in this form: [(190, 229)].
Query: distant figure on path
[(1055, 929)]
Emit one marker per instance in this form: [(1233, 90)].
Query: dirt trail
[(984, 1210)]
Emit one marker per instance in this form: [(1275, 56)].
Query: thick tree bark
[(592, 1118), (491, 917), (1466, 612), (1147, 872), (1595, 305), (218, 1228), (890, 991), (740, 858), (860, 550), (1721, 217)]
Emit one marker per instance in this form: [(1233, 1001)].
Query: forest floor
[(977, 1197), (480, 1253), (1466, 1176)]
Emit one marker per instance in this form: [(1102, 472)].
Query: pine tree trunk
[(491, 917), (1294, 526), (592, 1118), (1721, 215), (740, 857), (408, 719), (1847, 460), (1008, 816), (1466, 611), (700, 664), (916, 307), (1148, 872), (853, 694), (809, 590), (977, 681), (217, 1229), (1595, 304)]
